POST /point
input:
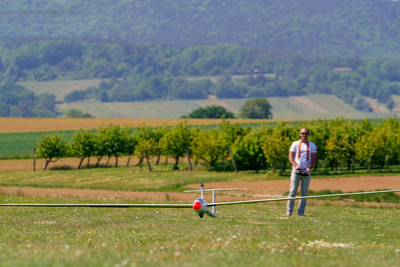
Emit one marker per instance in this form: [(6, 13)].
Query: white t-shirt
[(302, 162)]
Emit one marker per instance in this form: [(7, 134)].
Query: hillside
[(301, 107), (136, 72), (340, 28)]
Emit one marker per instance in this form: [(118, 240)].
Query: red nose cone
[(197, 205)]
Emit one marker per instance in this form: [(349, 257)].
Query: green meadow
[(247, 235), (243, 235), (21, 145)]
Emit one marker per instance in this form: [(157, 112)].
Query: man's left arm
[(313, 159), (312, 163)]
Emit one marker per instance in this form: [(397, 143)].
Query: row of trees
[(256, 108), (338, 141)]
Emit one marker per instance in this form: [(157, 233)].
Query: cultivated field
[(17, 125), (294, 107), (308, 107)]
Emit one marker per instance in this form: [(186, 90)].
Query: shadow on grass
[(60, 168), (84, 167)]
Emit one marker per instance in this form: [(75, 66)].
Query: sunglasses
[(304, 133)]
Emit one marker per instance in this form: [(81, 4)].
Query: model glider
[(199, 205)]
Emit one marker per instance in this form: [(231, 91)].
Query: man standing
[(302, 155)]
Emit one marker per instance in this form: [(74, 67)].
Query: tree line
[(340, 142), (341, 28), (148, 72), (17, 101)]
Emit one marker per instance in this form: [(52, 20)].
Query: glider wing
[(296, 198), (100, 205)]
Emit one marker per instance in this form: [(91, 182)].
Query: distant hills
[(134, 51), (339, 28)]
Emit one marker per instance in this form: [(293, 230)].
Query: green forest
[(17, 101), (147, 72), (340, 28)]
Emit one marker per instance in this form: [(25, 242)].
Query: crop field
[(17, 125), (310, 106), (294, 107), (21, 145), (255, 235), (60, 87)]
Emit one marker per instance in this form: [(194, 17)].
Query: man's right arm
[(292, 154)]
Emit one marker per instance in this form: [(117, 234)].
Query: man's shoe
[(301, 214), (288, 214)]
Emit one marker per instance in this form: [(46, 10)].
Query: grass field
[(251, 235), (294, 107), (65, 175), (60, 87), (247, 235)]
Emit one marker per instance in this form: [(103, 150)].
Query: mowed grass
[(124, 178), (161, 179), (246, 235)]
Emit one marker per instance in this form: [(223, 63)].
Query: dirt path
[(259, 189)]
